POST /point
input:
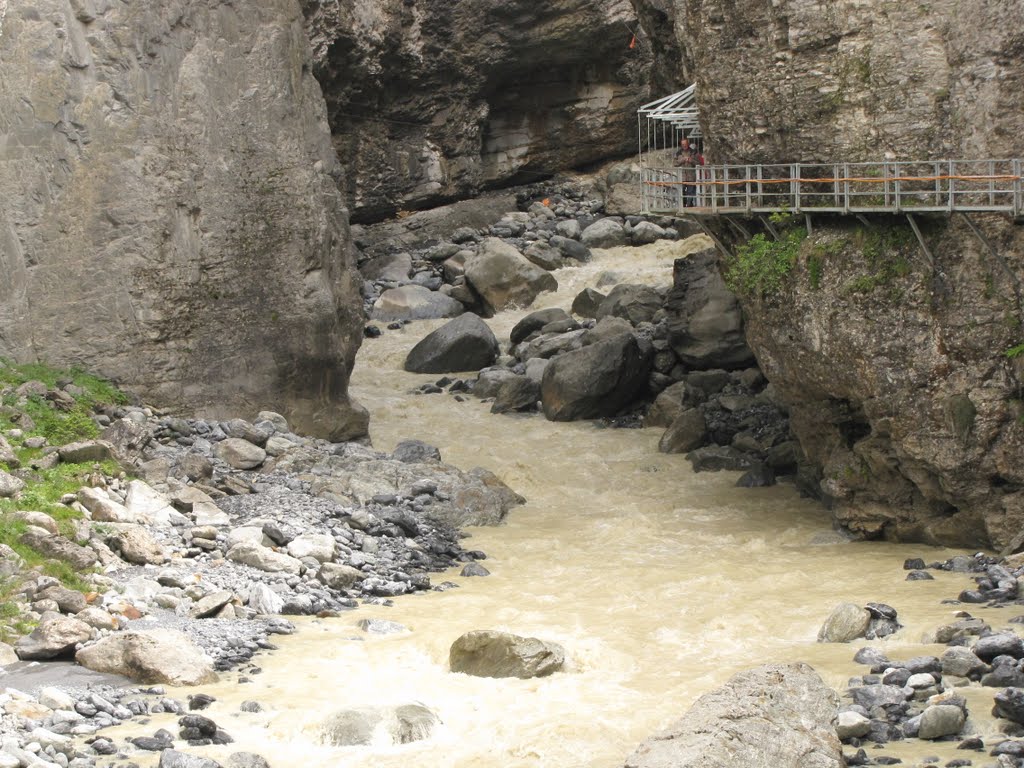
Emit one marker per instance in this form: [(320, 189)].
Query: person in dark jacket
[(688, 158)]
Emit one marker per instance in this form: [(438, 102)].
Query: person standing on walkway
[(688, 159)]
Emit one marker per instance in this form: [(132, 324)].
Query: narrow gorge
[(356, 408)]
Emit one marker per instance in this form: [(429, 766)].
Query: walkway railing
[(848, 188)]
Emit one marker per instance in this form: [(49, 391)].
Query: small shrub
[(760, 265)]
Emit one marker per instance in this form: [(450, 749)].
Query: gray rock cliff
[(437, 99), (896, 372), (170, 213)]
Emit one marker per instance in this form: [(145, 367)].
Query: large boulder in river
[(415, 302), (775, 716), (635, 303), (597, 380), (159, 656), (847, 622), (464, 344), (705, 325), (504, 278), (487, 653), (180, 152)]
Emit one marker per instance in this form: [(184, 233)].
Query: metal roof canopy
[(678, 110)]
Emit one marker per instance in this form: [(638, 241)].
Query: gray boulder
[(339, 576), (647, 232), (685, 433), (571, 248), (489, 382), (518, 394), (504, 278), (607, 328), (136, 545), (246, 760), (535, 321), (415, 302), (605, 233), (846, 622), (587, 302), (159, 656), (464, 344), (776, 716), (262, 558), (10, 486), (941, 720), (635, 303), (59, 548), (597, 380), (240, 454), (55, 636), (544, 256), (415, 452), (487, 653), (705, 324)]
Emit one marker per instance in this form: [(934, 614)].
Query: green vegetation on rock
[(761, 265), (58, 405)]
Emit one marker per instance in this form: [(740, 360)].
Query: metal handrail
[(889, 186)]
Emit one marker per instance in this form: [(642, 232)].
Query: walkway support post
[(920, 239)]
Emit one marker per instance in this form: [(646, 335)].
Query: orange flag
[(632, 43)]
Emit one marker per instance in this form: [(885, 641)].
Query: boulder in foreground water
[(775, 716), (597, 380), (846, 622), (488, 653), (464, 344)]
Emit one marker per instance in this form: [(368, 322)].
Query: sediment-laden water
[(659, 582)]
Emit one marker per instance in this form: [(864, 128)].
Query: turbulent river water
[(659, 582)]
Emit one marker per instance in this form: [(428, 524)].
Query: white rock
[(319, 546), (149, 505), (853, 724), (102, 508), (159, 656), (55, 698), (264, 600), (252, 554)]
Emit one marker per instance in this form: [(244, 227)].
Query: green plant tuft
[(760, 265)]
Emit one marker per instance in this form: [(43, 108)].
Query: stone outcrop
[(434, 100), (775, 716), (170, 212), (792, 81), (898, 384), (896, 371)]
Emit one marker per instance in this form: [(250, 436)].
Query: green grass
[(1014, 352), (68, 422)]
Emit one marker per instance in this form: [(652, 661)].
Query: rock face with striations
[(170, 214), (787, 81), (895, 371), (437, 99), (775, 716)]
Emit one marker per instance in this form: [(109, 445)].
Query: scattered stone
[(240, 454)]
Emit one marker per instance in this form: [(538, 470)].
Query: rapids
[(659, 582)]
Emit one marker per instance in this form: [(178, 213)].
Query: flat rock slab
[(31, 677)]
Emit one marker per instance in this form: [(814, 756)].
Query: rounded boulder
[(464, 344)]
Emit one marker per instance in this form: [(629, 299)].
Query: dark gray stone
[(464, 344)]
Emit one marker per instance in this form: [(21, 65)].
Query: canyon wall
[(170, 213), (432, 100), (904, 390)]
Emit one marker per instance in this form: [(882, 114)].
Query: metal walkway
[(932, 186)]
